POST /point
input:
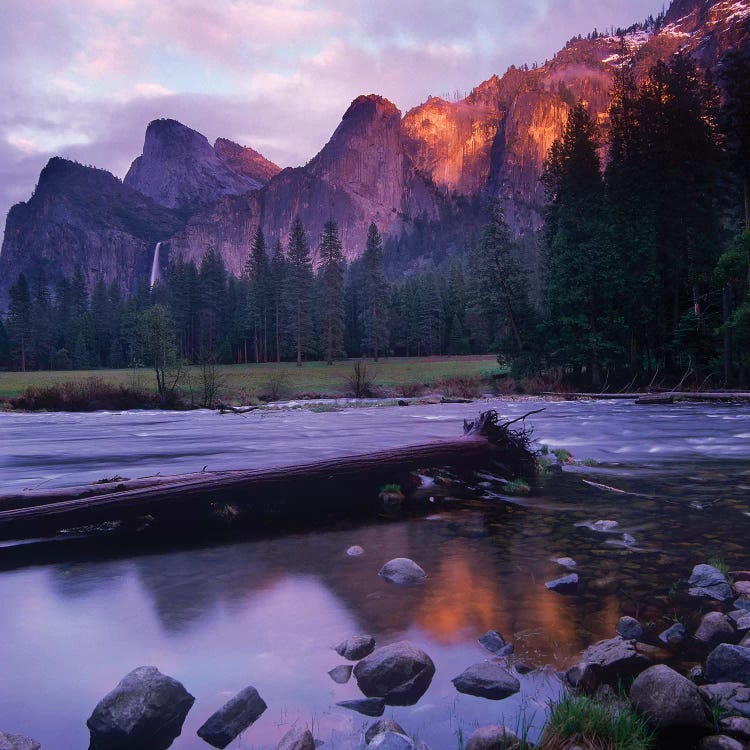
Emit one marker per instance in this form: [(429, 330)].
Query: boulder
[(399, 673), (145, 711), (366, 706), (522, 667), (355, 648), (728, 663), (494, 642), (297, 738), (732, 697), (493, 737), (615, 659), (710, 583), (719, 742), (17, 742), (604, 525), (629, 628), (742, 588), (403, 571), (235, 716), (674, 635), (341, 674), (583, 676), (736, 726), (391, 741), (355, 551), (380, 726), (715, 628), (668, 700), (487, 680), (565, 562), (565, 585)]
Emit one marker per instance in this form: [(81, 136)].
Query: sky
[(83, 78)]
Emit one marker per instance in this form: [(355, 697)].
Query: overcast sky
[(82, 78)]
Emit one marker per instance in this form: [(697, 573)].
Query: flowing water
[(266, 611)]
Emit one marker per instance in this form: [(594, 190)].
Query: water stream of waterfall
[(155, 273)]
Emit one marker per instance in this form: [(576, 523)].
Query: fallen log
[(655, 399), (339, 484)]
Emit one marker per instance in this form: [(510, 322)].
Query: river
[(266, 611)]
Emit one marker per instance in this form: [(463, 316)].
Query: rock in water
[(403, 571), (297, 739), (719, 742), (615, 659), (710, 583), (737, 727), (715, 628), (355, 551), (17, 742), (341, 674), (399, 673), (668, 700), (356, 648), (673, 636), (493, 737), (145, 711), (727, 663), (487, 680), (629, 628), (494, 642), (380, 726), (565, 585), (565, 562), (391, 741), (366, 706), (235, 716)]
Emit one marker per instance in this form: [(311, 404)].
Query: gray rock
[(235, 716), (629, 628), (341, 674), (403, 571), (615, 659), (17, 742), (494, 642), (399, 673), (380, 726), (565, 585), (732, 697), (673, 636), (487, 680), (493, 737), (710, 583), (146, 710), (297, 738), (356, 648), (728, 663), (715, 628), (565, 562), (522, 667), (583, 676), (719, 742), (391, 741), (366, 706), (736, 726), (355, 551), (669, 700)]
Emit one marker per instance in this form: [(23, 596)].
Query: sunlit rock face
[(180, 169), (245, 160)]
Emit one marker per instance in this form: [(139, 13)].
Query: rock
[(297, 738), (583, 676), (235, 716), (615, 659), (341, 674), (742, 588), (736, 726), (487, 680), (565, 585), (366, 706), (391, 741), (669, 700), (710, 583), (732, 697), (355, 551), (494, 642), (356, 648), (146, 710), (380, 726), (715, 628), (403, 571), (604, 525), (728, 663), (740, 575), (17, 742), (493, 737), (674, 635), (696, 674), (400, 673), (566, 562), (719, 742), (629, 628), (523, 668)]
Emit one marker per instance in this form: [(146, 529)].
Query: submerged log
[(312, 488)]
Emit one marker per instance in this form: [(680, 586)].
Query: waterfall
[(155, 274)]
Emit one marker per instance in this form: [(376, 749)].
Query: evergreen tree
[(331, 274), (212, 286), (4, 346), (375, 297), (278, 272), (298, 291), (20, 321), (42, 334), (259, 304)]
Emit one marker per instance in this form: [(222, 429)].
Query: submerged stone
[(235, 716), (366, 706), (494, 642), (565, 585), (403, 571), (341, 674)]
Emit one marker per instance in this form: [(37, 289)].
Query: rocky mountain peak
[(245, 160)]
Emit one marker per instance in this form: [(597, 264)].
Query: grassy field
[(244, 383)]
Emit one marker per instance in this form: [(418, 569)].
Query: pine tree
[(298, 290), (331, 274), (212, 286), (42, 334), (19, 321), (259, 303), (278, 272), (375, 302)]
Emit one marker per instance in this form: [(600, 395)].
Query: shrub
[(360, 380), (461, 386), (409, 390), (83, 395), (277, 387)]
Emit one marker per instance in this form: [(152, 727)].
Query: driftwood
[(655, 399), (339, 484), (224, 408)]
